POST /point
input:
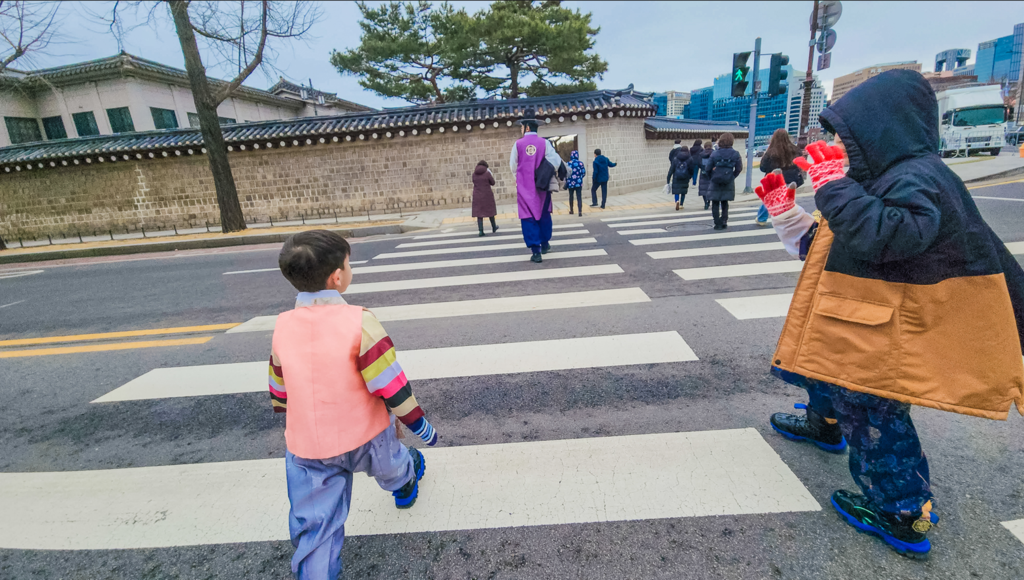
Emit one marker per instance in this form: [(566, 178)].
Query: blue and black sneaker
[(406, 495), (905, 534), (811, 427)]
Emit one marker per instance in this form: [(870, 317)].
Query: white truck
[(971, 119)]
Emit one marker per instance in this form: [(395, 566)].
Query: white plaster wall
[(13, 104)]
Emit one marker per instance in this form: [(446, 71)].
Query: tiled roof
[(128, 64), (391, 123), (284, 86), (672, 128)]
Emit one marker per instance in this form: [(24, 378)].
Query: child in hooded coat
[(574, 183), (907, 297)]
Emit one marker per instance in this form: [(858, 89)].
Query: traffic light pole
[(805, 107), (754, 90)]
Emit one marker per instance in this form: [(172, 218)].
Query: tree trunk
[(513, 85), (231, 218), (3, 246)]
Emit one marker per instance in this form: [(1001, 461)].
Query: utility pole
[(751, 130), (805, 106)]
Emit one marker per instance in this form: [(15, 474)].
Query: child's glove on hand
[(777, 197), (827, 164), (425, 431)]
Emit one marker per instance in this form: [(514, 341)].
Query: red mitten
[(827, 164), (777, 197)]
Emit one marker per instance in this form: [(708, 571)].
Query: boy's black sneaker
[(905, 534), (406, 495), (811, 427)]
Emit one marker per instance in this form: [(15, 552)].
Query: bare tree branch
[(25, 28)]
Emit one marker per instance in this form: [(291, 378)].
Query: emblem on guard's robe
[(531, 150)]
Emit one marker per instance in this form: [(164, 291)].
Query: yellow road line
[(122, 334), (995, 184), (104, 347)]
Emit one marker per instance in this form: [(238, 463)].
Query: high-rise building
[(999, 60), (671, 103), (952, 59), (700, 104), (843, 84)]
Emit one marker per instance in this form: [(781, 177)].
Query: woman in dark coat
[(695, 155), (483, 197), (705, 173), (679, 173), (725, 165), (780, 155)]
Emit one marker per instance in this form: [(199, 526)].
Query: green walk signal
[(777, 75), (739, 73)]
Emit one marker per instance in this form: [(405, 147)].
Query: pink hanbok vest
[(330, 411)]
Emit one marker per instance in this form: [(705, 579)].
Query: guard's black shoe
[(811, 427), (536, 259), (406, 495), (545, 248), (905, 534)]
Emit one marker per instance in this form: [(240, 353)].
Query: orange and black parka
[(906, 292)]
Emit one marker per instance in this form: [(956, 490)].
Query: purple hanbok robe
[(530, 150)]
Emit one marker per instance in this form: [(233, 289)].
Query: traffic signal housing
[(777, 84), (740, 70)]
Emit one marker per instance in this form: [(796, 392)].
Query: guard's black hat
[(529, 116)]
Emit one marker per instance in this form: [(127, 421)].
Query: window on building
[(164, 118), (120, 120), (54, 127), (23, 130), (193, 120), (85, 124)]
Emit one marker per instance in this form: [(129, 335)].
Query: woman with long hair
[(780, 155)]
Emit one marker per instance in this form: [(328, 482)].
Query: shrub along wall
[(351, 178)]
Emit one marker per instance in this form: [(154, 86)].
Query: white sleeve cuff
[(791, 226)]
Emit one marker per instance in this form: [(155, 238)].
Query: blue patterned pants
[(886, 459)]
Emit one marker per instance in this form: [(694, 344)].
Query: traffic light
[(777, 84), (739, 73)]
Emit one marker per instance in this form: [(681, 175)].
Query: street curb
[(1008, 173), (175, 245)]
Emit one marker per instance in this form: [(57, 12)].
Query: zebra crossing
[(530, 483)]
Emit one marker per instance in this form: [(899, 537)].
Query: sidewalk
[(971, 170)]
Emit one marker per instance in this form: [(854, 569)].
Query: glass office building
[(999, 60)]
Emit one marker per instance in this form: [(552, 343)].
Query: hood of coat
[(480, 170), (574, 156), (884, 120)]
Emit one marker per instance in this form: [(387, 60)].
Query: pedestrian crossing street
[(725, 472)]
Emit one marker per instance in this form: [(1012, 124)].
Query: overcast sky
[(656, 46)]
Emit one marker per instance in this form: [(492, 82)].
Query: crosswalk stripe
[(487, 248), (474, 262), (454, 263), (643, 231), (751, 307), (1016, 528), (492, 278), (665, 214), (485, 239), (431, 363), (716, 250), (709, 272), (481, 307), (678, 220), (703, 237), (709, 473), (1015, 247), (487, 228)]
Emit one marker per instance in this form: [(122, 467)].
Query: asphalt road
[(50, 425)]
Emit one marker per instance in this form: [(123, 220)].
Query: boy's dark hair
[(307, 259), (597, 151)]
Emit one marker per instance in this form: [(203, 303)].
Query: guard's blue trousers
[(886, 459), (537, 233)]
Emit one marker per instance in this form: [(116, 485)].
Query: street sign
[(824, 60), (829, 12), (826, 40)]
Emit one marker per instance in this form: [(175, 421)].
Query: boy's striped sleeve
[(278, 395), (385, 378)]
